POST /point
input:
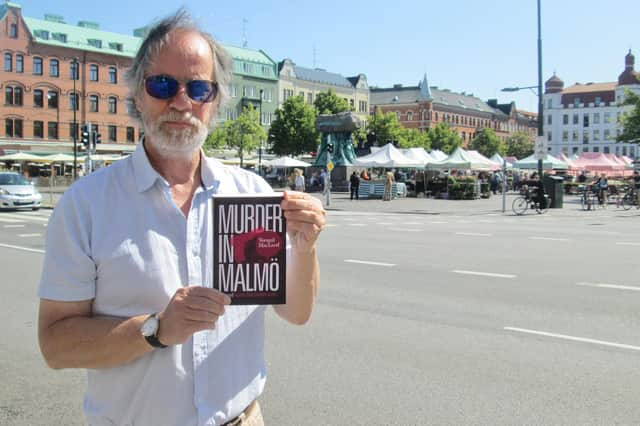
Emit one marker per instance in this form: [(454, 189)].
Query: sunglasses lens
[(202, 90), (161, 86)]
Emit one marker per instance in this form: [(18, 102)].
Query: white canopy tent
[(22, 156), (497, 158), (462, 160), (387, 156), (437, 155), (286, 162), (418, 154), (549, 163)]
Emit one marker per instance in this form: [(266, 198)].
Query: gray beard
[(178, 143)]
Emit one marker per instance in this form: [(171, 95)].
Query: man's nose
[(181, 101)]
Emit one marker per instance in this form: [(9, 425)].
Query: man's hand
[(305, 219), (190, 310)]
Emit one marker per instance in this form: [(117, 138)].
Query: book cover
[(249, 244)]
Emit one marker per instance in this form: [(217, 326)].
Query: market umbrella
[(286, 162)]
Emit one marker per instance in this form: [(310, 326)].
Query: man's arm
[(71, 337), (305, 220)]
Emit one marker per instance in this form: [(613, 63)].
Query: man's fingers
[(208, 293)]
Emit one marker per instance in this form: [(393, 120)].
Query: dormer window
[(95, 43), (59, 37), (116, 46)]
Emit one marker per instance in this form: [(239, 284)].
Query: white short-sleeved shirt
[(117, 237)]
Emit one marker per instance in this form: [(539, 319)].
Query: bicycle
[(630, 199), (588, 198), (530, 199)]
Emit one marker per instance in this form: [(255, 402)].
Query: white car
[(18, 192)]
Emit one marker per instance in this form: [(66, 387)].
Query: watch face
[(149, 326)]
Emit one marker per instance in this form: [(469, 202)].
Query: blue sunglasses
[(166, 87)]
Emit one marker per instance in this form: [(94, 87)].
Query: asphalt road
[(449, 317)]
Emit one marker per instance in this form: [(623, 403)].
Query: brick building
[(422, 107)]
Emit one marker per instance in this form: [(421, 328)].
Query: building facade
[(422, 107), (308, 82), (586, 117)]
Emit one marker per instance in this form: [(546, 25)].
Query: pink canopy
[(599, 162)]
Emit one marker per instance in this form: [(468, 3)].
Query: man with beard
[(126, 288)]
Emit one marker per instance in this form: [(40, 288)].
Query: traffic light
[(84, 136), (97, 138), (330, 148)]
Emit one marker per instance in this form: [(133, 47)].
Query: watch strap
[(154, 341)]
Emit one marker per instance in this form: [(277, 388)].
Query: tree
[(487, 143), (330, 103), (443, 138), (385, 127), (630, 119), (293, 131), (216, 139), (245, 133), (414, 138), (519, 145)]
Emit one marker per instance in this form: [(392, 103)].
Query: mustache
[(175, 116)]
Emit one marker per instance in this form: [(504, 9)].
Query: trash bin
[(554, 187)]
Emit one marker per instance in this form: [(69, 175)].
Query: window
[(362, 106), (606, 150), (52, 130), (549, 136), (549, 119), (310, 98), (576, 118), (266, 70), (585, 120), (61, 37), (113, 75), (574, 136), (596, 149), (607, 134), (13, 31), (410, 117), (38, 131), (54, 68), (73, 101), (607, 117), (287, 93), (19, 63), (52, 99), (596, 135), (38, 98), (565, 118), (112, 133), (234, 91), (131, 134), (73, 71), (17, 128), (95, 42), (113, 102), (37, 66), (93, 103), (565, 136), (585, 137), (549, 104), (598, 100), (8, 62), (17, 96), (73, 131), (93, 72), (8, 128), (576, 102), (129, 106), (8, 96), (596, 118)]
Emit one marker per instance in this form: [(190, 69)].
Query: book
[(249, 248)]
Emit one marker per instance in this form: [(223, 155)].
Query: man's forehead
[(184, 50)]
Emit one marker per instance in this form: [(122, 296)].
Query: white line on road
[(26, 216), (548, 239), (9, 220), (357, 224), (21, 248), (574, 338), (627, 244), (13, 226), (385, 223), (366, 262), (405, 229), (329, 225), (483, 274), (29, 235), (612, 286), (439, 222), (413, 223), (473, 234)]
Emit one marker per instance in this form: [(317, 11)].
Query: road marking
[(413, 223), (13, 226), (439, 222), (628, 244), (385, 223), (548, 239), (483, 274), (26, 216), (29, 235), (21, 248), (9, 220), (329, 225), (574, 338), (613, 286), (366, 262), (405, 229), (357, 224), (473, 234)]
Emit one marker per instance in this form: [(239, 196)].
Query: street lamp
[(75, 124), (539, 87), (260, 149)]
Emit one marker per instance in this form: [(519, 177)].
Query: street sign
[(540, 148), (330, 165)]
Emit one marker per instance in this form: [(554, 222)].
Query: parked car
[(18, 192)]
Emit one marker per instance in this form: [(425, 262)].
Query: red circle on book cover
[(268, 244)]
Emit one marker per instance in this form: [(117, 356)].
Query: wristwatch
[(149, 330)]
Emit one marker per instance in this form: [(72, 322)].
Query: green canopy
[(549, 163)]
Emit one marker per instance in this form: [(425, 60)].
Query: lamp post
[(75, 123), (539, 87), (260, 149)]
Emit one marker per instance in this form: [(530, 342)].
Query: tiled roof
[(590, 87), (47, 32), (405, 95), (250, 55), (321, 76)]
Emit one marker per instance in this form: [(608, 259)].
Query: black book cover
[(249, 248)]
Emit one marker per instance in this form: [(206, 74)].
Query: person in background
[(388, 187), (299, 180), (354, 185), (130, 297), (364, 175), (602, 184)]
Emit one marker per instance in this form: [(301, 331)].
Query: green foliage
[(631, 119), (216, 139), (359, 135), (487, 143), (330, 103), (519, 145), (385, 127), (443, 138), (245, 133), (293, 131), (414, 138)]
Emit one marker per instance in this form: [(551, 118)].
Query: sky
[(472, 46)]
